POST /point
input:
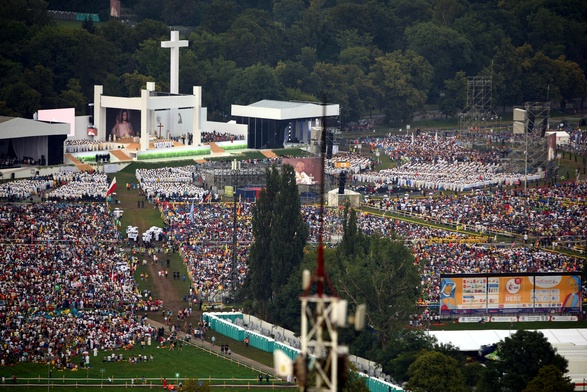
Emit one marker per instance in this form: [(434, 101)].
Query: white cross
[(174, 44)]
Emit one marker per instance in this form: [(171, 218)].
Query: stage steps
[(269, 153), (79, 164), (215, 149), (120, 155), (73, 159)]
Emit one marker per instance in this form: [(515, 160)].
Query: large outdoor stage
[(129, 150)]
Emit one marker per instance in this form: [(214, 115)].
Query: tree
[(550, 379), (401, 81), (410, 12), (153, 60), (442, 46), (454, 97), (289, 232), (31, 12), (346, 85), (484, 36), (71, 54), (390, 289), (372, 22), (354, 381), (219, 15), (88, 25), (351, 236), (435, 372), (356, 55), (508, 73), (253, 84), (255, 31), (280, 235), (292, 74), (180, 12), (73, 97), (41, 79), (522, 355), (446, 11), (288, 11), (214, 76), (135, 82), (149, 29), (21, 99), (401, 351)]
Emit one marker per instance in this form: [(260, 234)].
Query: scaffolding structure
[(528, 144), (479, 112), (220, 175)]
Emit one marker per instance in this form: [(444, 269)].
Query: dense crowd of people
[(208, 250), (206, 236), (61, 260), (63, 257), (429, 162), (171, 184), (66, 185), (215, 136), (546, 215), (163, 143), (83, 145)]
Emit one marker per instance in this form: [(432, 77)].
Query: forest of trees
[(396, 56)]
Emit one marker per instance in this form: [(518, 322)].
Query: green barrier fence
[(83, 16), (223, 323)]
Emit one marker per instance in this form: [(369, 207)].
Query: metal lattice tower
[(479, 110), (529, 140)]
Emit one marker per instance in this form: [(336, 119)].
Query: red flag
[(111, 188)]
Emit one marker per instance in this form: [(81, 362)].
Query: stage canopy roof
[(16, 127), (285, 110)]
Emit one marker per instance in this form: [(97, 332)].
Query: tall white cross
[(174, 44)]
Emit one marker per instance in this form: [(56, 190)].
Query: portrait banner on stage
[(510, 293)]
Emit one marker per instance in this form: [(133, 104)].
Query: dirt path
[(142, 214)]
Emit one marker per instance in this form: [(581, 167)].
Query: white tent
[(562, 137), (570, 343)]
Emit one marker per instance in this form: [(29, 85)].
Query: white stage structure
[(156, 111)]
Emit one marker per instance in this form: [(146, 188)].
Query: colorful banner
[(511, 293)]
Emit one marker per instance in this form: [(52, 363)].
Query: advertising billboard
[(510, 293)]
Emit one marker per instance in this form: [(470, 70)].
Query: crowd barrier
[(224, 323)]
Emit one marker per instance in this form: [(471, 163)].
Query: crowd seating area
[(61, 260)]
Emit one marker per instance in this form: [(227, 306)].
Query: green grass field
[(190, 362)]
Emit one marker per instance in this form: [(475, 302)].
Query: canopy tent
[(38, 140), (570, 343), (270, 123)]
